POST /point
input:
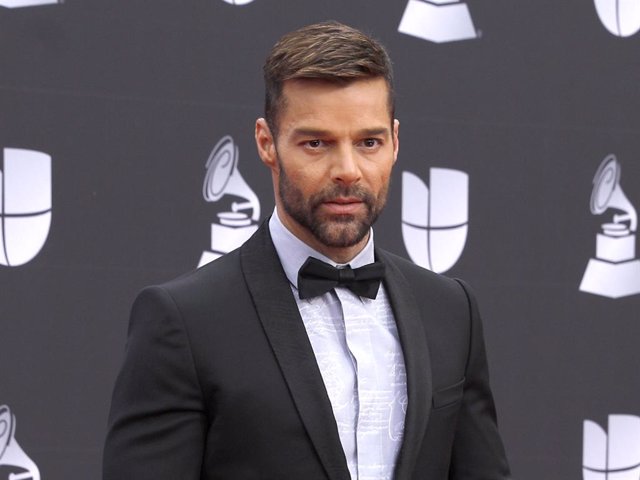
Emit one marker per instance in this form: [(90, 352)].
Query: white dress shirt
[(355, 342)]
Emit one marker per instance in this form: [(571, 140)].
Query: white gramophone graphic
[(25, 205), (435, 219), (223, 178), (437, 20), (620, 17), (26, 3), (11, 455), (615, 272), (615, 456), (238, 2)]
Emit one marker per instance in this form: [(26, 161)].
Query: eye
[(314, 144), (371, 142)]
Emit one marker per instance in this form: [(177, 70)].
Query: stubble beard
[(335, 231)]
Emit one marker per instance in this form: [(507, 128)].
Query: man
[(266, 364)]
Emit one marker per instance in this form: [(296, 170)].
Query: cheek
[(299, 182), (309, 179), (380, 178)]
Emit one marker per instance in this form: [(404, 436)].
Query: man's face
[(332, 161)]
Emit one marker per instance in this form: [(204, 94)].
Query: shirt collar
[(293, 252)]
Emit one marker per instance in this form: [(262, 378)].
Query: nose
[(345, 168)]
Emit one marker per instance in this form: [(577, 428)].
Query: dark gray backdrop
[(129, 97)]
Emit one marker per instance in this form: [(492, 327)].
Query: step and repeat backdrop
[(127, 158)]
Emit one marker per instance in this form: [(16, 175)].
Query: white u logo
[(435, 218), (25, 3), (25, 205), (620, 17)]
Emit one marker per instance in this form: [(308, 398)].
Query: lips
[(343, 206)]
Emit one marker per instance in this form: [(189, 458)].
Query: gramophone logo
[(26, 3), (615, 271), (620, 17), (438, 20), (13, 460), (238, 2), (236, 225), (615, 456), (25, 205), (435, 218)]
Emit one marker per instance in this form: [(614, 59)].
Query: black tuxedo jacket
[(220, 381)]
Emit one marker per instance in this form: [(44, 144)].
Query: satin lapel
[(283, 326), (417, 363)]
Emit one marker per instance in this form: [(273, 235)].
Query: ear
[(396, 144), (266, 144)]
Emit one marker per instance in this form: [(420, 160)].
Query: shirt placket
[(368, 343)]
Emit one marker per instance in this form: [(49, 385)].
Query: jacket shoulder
[(417, 275), (209, 281)]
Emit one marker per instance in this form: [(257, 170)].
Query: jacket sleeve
[(478, 453), (157, 423)]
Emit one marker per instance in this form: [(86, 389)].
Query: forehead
[(316, 101)]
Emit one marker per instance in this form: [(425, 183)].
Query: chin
[(341, 235)]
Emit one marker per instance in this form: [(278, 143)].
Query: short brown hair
[(328, 51)]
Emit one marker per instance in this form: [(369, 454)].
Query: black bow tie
[(316, 278)]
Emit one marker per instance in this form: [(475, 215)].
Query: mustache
[(336, 191)]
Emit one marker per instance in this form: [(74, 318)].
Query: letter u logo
[(612, 455), (435, 218), (620, 17), (26, 3), (25, 205)]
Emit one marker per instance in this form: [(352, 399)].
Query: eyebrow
[(373, 132), (318, 132)]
